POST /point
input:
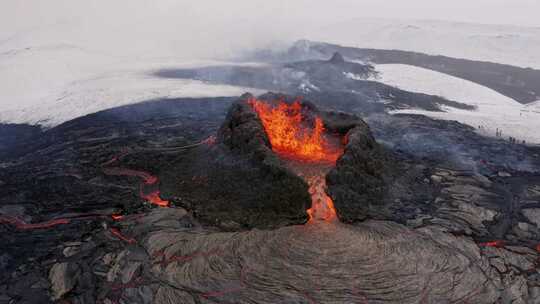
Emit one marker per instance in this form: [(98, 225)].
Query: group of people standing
[(499, 133)]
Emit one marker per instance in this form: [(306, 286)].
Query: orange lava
[(289, 135), (322, 206), (119, 235), (22, 225), (495, 244), (155, 199), (147, 180), (117, 217), (292, 138)]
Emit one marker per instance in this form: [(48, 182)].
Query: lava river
[(309, 150)]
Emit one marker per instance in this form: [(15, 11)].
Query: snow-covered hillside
[(493, 110), (55, 68), (50, 85), (58, 62), (519, 46), (107, 91), (533, 106)]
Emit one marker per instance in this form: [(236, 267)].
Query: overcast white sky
[(519, 12), (48, 45), (195, 24)]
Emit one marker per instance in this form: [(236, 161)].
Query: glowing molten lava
[(154, 198), (322, 206), (147, 179), (495, 244), (290, 137)]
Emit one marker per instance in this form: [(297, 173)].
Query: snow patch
[(93, 95), (493, 112), (514, 45), (353, 76), (415, 79), (53, 84), (533, 106), (307, 87)]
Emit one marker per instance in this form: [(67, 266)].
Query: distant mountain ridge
[(520, 84), (506, 44)]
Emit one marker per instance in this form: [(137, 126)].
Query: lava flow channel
[(322, 206), (147, 180), (292, 138)]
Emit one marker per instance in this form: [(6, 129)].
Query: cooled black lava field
[(200, 200)]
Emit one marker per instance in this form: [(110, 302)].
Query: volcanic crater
[(306, 141)]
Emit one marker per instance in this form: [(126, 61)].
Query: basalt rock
[(358, 182), (464, 233), (241, 183), (242, 132), (337, 58), (63, 277), (372, 262), (246, 184)]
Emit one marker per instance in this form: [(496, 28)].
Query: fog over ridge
[(187, 29)]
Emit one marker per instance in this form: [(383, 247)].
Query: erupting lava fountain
[(311, 152)]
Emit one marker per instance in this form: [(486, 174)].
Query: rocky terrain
[(519, 83), (322, 80), (183, 200)]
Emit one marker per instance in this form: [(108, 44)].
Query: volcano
[(307, 142)]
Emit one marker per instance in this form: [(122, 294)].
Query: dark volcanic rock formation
[(356, 184), (452, 233), (247, 183), (331, 73), (13, 135), (359, 181), (360, 178), (322, 80), (243, 132), (170, 261), (337, 58), (377, 262), (519, 83)]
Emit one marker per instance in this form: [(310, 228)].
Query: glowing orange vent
[(290, 137)]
